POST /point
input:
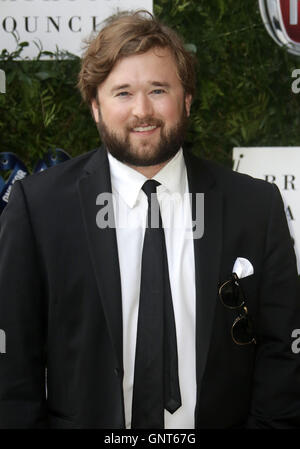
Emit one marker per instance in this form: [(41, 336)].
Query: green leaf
[(23, 44)]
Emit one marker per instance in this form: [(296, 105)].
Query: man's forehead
[(154, 55), (150, 83), (146, 67)]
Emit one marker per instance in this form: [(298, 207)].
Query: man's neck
[(150, 171)]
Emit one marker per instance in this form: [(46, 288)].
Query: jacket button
[(117, 372)]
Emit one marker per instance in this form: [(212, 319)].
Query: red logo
[(282, 21), (290, 10)]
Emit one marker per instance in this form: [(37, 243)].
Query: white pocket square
[(242, 267)]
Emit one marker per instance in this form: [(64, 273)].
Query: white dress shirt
[(130, 209)]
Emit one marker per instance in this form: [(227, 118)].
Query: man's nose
[(142, 106)]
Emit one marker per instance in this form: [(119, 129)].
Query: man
[(74, 281)]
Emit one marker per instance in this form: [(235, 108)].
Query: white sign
[(57, 23), (279, 165)]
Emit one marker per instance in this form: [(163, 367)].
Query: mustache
[(150, 121)]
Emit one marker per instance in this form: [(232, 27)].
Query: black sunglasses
[(232, 297)]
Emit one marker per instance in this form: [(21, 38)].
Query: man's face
[(142, 109)]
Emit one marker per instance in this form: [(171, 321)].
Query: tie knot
[(150, 187)]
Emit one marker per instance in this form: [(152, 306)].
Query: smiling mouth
[(147, 128)]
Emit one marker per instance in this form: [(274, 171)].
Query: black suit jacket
[(61, 306)]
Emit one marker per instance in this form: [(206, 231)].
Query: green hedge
[(244, 95)]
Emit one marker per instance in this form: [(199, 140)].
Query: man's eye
[(122, 94), (158, 91)]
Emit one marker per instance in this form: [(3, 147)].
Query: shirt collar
[(128, 182), (172, 175)]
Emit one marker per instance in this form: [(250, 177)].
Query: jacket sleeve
[(22, 320), (276, 383)]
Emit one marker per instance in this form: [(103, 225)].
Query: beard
[(144, 154)]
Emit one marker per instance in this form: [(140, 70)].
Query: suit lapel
[(102, 244), (207, 257)]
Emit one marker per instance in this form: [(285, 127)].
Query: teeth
[(144, 128)]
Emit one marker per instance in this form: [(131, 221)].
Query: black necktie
[(156, 383)]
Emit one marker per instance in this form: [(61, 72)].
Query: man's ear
[(95, 109), (188, 102)]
